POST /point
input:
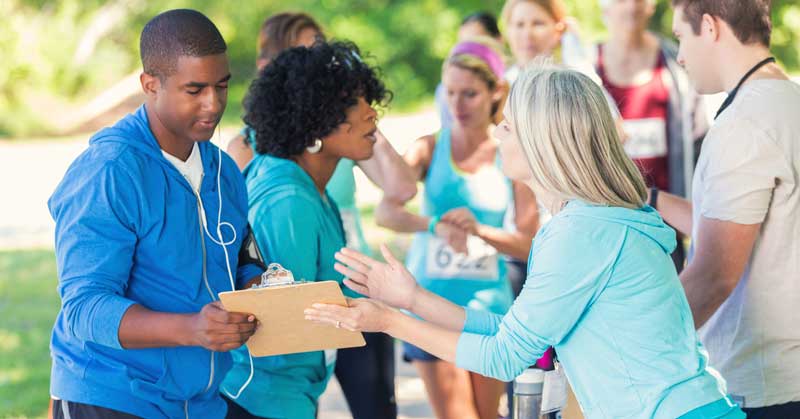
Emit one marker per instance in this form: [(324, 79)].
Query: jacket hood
[(134, 131), (645, 220)]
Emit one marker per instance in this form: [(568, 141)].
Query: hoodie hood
[(645, 220), (134, 131), (269, 175)]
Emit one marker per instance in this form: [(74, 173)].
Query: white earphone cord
[(220, 241)]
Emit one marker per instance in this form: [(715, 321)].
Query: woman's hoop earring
[(314, 149)]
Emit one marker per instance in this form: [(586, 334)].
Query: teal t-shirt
[(342, 188), (300, 229)]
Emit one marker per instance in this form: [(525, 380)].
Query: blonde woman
[(601, 287), (458, 235)]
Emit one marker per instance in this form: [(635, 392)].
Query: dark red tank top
[(644, 110)]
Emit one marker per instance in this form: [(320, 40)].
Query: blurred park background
[(70, 67), (62, 55)]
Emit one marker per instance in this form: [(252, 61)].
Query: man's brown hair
[(280, 32), (749, 19)]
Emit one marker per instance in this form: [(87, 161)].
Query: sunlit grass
[(28, 305)]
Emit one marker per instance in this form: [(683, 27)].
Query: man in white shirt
[(743, 276)]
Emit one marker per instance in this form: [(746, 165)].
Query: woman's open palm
[(388, 282)]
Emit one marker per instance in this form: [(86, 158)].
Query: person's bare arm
[(721, 252), (212, 328), (676, 211), (389, 171), (240, 151), (391, 213), (393, 284), (526, 217)]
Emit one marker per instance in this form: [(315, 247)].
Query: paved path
[(410, 392)]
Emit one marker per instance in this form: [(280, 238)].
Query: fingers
[(232, 337), (457, 240), (459, 245), (236, 317), (214, 311), (389, 257), (349, 283), (339, 311), (233, 328), (349, 273), (459, 216), (365, 260), (333, 315), (354, 263), (334, 323), (229, 343)]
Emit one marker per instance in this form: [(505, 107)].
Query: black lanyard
[(733, 93)]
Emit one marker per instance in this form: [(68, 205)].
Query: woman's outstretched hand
[(361, 315), (388, 282)]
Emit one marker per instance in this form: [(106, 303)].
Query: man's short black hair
[(175, 33)]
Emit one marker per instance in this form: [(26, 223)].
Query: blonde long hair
[(566, 130)]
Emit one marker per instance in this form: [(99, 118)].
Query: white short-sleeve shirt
[(191, 169), (748, 173)]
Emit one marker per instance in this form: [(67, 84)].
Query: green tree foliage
[(61, 52)]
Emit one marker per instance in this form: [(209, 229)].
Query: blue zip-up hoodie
[(603, 291), (128, 231)]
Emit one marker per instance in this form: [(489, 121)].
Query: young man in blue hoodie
[(149, 222)]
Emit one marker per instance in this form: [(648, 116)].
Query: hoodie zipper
[(200, 218)]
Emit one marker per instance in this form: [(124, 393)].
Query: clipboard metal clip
[(275, 275)]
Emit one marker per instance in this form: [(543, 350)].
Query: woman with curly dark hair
[(310, 108), (365, 374)]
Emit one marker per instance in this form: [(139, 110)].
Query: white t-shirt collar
[(191, 169)]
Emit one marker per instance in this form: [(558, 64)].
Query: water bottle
[(528, 388)]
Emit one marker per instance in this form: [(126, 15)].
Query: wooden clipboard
[(284, 329)]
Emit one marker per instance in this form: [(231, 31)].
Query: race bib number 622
[(480, 263)]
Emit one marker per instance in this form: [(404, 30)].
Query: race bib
[(554, 394), (647, 138), (443, 262)]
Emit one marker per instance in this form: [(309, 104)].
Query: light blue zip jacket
[(603, 291), (128, 231)]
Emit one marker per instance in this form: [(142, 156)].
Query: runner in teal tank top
[(475, 279)]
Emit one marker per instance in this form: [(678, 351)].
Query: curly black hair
[(304, 94)]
